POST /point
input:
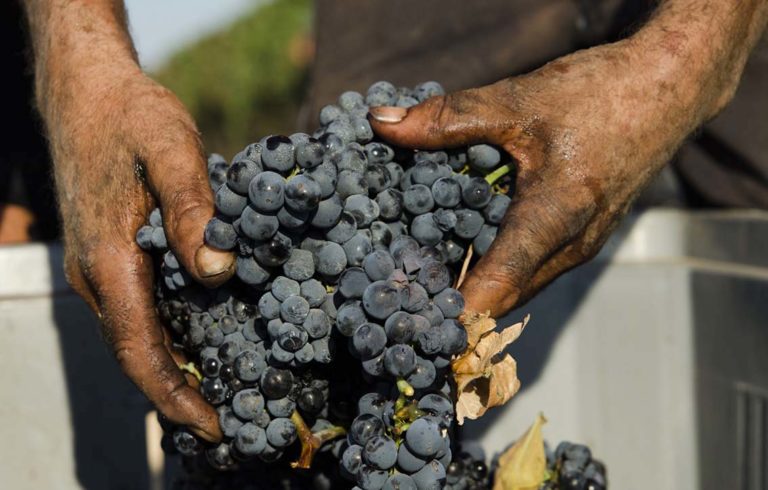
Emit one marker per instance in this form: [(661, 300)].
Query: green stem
[(500, 172), (405, 388), (191, 369)]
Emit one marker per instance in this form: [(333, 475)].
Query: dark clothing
[(25, 177), (459, 43), (465, 44)]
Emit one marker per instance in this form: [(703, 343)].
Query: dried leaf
[(485, 376), (524, 465)]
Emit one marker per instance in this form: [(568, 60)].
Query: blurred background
[(655, 354)]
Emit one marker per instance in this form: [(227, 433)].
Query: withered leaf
[(485, 376), (524, 465)]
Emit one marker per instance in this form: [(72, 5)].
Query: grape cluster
[(341, 317), (573, 468), (467, 472)]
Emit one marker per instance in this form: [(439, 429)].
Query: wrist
[(83, 50), (698, 50)]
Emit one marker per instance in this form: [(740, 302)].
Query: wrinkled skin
[(588, 131), (122, 145), (154, 158)]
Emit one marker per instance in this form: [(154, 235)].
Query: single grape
[(417, 199), (278, 153), (378, 153), (468, 223), (400, 481), (357, 248), (249, 365), (330, 259), (381, 299), (400, 360), (276, 383), (284, 288), (430, 477), (424, 375), (369, 340), (291, 338), (281, 407), (408, 461), (450, 301), (281, 432), (434, 276), (426, 90), (328, 213), (267, 192), (364, 428), (218, 234), (496, 209), (483, 157), (372, 403), (446, 192), (273, 252), (314, 292), (378, 178), (343, 230), (247, 403), (351, 183), (309, 153), (250, 440), (241, 173), (425, 230), (294, 309), (352, 459), (400, 327), (364, 210), (302, 193), (228, 422), (349, 317), (352, 282), (476, 193), (380, 452)]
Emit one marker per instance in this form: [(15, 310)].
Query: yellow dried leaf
[(485, 376), (524, 465)]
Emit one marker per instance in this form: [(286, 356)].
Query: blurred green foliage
[(247, 81)]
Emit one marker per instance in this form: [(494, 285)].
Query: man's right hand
[(121, 145)]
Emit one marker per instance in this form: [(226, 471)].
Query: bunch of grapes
[(335, 337), (572, 468)]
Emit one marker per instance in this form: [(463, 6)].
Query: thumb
[(457, 119), (535, 228), (177, 178)]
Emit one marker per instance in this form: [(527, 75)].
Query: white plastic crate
[(655, 354)]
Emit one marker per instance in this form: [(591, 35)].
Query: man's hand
[(122, 144), (588, 131)]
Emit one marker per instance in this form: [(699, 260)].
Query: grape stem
[(405, 388), (464, 268), (311, 443), (191, 369), (500, 172)]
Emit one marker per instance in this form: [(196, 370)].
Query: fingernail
[(212, 262), (387, 114)]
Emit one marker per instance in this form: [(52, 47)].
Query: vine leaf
[(524, 465), (485, 375)]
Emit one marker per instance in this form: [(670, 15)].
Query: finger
[(177, 177), (536, 227), (460, 118), (122, 279)]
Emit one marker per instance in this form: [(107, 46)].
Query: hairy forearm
[(73, 39), (703, 45)]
